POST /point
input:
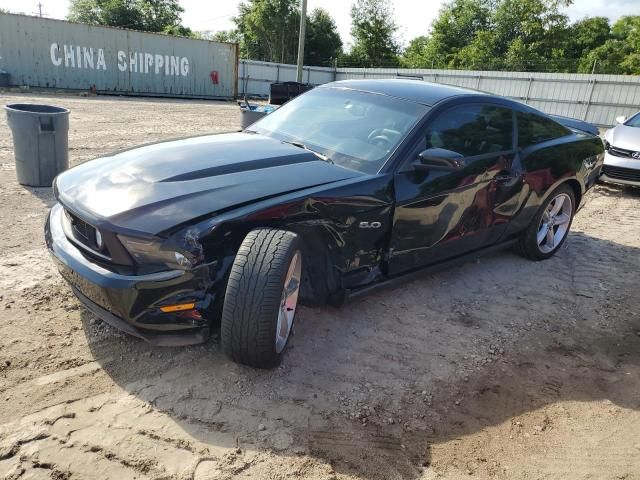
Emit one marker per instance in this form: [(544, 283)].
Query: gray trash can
[(40, 142), (248, 117), (249, 114), (4, 79)]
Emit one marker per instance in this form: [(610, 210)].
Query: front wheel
[(550, 226), (261, 297)]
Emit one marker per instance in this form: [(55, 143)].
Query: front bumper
[(132, 302), (620, 170)]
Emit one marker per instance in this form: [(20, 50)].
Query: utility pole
[(40, 9), (303, 21)]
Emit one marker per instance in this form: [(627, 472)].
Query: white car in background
[(622, 152)]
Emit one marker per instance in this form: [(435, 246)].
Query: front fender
[(338, 252)]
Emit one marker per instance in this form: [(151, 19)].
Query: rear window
[(533, 128)]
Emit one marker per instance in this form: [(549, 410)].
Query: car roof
[(418, 91)]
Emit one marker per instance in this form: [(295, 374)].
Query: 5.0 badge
[(370, 224)]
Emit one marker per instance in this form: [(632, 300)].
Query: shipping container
[(40, 52)]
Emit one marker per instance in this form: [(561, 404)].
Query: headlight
[(154, 252), (606, 145)]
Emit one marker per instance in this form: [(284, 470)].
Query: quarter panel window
[(473, 129), (533, 129)]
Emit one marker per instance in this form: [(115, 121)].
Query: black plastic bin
[(282, 92)]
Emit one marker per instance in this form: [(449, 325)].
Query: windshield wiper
[(304, 147)]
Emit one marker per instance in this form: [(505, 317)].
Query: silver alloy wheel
[(289, 301), (554, 223)]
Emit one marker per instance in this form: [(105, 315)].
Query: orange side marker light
[(178, 308)]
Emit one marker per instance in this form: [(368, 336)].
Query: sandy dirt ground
[(499, 369)]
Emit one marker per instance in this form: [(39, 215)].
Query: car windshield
[(353, 129), (633, 121)]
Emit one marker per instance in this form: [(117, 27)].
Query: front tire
[(261, 297), (550, 226)]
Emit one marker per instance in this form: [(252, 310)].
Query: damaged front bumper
[(132, 303)]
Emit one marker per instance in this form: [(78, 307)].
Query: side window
[(473, 129), (533, 128)]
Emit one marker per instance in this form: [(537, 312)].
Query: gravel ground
[(499, 369)]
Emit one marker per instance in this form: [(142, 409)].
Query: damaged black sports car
[(351, 185)]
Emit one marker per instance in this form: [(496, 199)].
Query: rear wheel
[(262, 297), (550, 227)]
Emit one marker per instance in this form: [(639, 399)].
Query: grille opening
[(85, 235), (622, 173), (621, 152), (82, 231)]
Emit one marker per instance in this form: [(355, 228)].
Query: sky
[(412, 16)]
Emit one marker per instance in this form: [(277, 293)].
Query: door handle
[(504, 177)]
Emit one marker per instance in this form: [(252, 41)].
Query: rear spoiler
[(577, 124)]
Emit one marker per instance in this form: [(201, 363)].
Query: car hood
[(624, 137), (158, 186)]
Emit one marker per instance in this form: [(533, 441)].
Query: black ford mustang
[(350, 185)]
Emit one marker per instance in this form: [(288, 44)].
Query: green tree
[(620, 54), (373, 30), (456, 26), (499, 34), (533, 34), (627, 30), (522, 57), (587, 34), (559, 3), (480, 54), (144, 15), (269, 30), (606, 58), (228, 36), (525, 35), (322, 42), (414, 55)]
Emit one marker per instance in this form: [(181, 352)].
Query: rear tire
[(550, 226), (261, 297)]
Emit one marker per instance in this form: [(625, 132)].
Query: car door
[(443, 211)]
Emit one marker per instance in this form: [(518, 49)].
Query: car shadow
[(373, 387)]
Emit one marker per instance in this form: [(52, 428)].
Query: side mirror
[(621, 119), (439, 159)]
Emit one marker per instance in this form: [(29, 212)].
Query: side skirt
[(429, 269)]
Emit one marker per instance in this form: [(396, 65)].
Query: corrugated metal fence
[(56, 54), (255, 77), (598, 99)]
